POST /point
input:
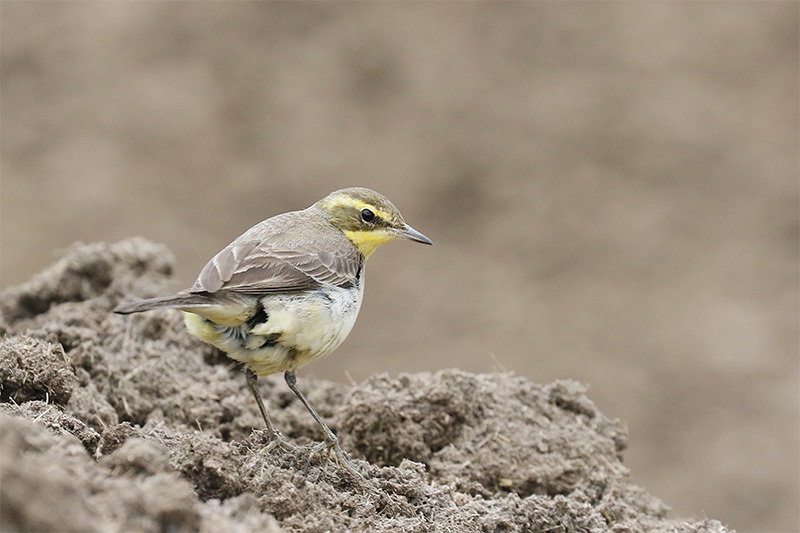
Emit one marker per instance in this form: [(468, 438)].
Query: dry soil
[(114, 423)]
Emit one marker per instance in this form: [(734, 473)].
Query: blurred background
[(612, 188)]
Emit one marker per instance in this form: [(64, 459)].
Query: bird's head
[(367, 218)]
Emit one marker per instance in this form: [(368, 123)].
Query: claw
[(277, 440), (340, 456)]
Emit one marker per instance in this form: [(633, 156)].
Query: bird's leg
[(252, 383), (331, 440)]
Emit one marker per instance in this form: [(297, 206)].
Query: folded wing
[(264, 267)]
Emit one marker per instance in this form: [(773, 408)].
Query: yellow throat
[(367, 241)]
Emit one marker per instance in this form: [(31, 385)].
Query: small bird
[(288, 290)]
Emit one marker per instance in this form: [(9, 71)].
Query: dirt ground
[(611, 186), (114, 423)]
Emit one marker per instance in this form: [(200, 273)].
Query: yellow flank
[(201, 329), (367, 241)]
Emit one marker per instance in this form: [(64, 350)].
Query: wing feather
[(263, 267)]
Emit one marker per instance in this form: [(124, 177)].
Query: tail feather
[(164, 302)]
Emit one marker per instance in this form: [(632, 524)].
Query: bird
[(287, 292)]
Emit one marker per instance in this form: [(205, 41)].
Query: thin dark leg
[(291, 380), (252, 383), (331, 440)]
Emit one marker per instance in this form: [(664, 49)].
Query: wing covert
[(254, 268)]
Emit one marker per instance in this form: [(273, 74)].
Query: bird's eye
[(367, 215)]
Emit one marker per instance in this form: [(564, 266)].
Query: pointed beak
[(407, 232)]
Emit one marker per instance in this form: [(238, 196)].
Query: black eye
[(367, 215)]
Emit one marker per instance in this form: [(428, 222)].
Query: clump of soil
[(111, 423)]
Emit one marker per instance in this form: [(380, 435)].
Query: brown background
[(612, 188)]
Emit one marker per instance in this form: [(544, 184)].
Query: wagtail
[(288, 290)]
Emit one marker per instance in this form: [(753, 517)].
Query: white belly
[(299, 328), (313, 325)]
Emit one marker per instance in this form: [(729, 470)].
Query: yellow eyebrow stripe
[(346, 201)]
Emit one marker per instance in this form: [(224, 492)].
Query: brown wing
[(262, 267)]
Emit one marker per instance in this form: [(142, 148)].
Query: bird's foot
[(276, 441), (340, 456)]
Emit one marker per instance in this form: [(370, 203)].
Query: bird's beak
[(407, 232)]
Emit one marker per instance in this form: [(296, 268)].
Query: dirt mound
[(116, 423)]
